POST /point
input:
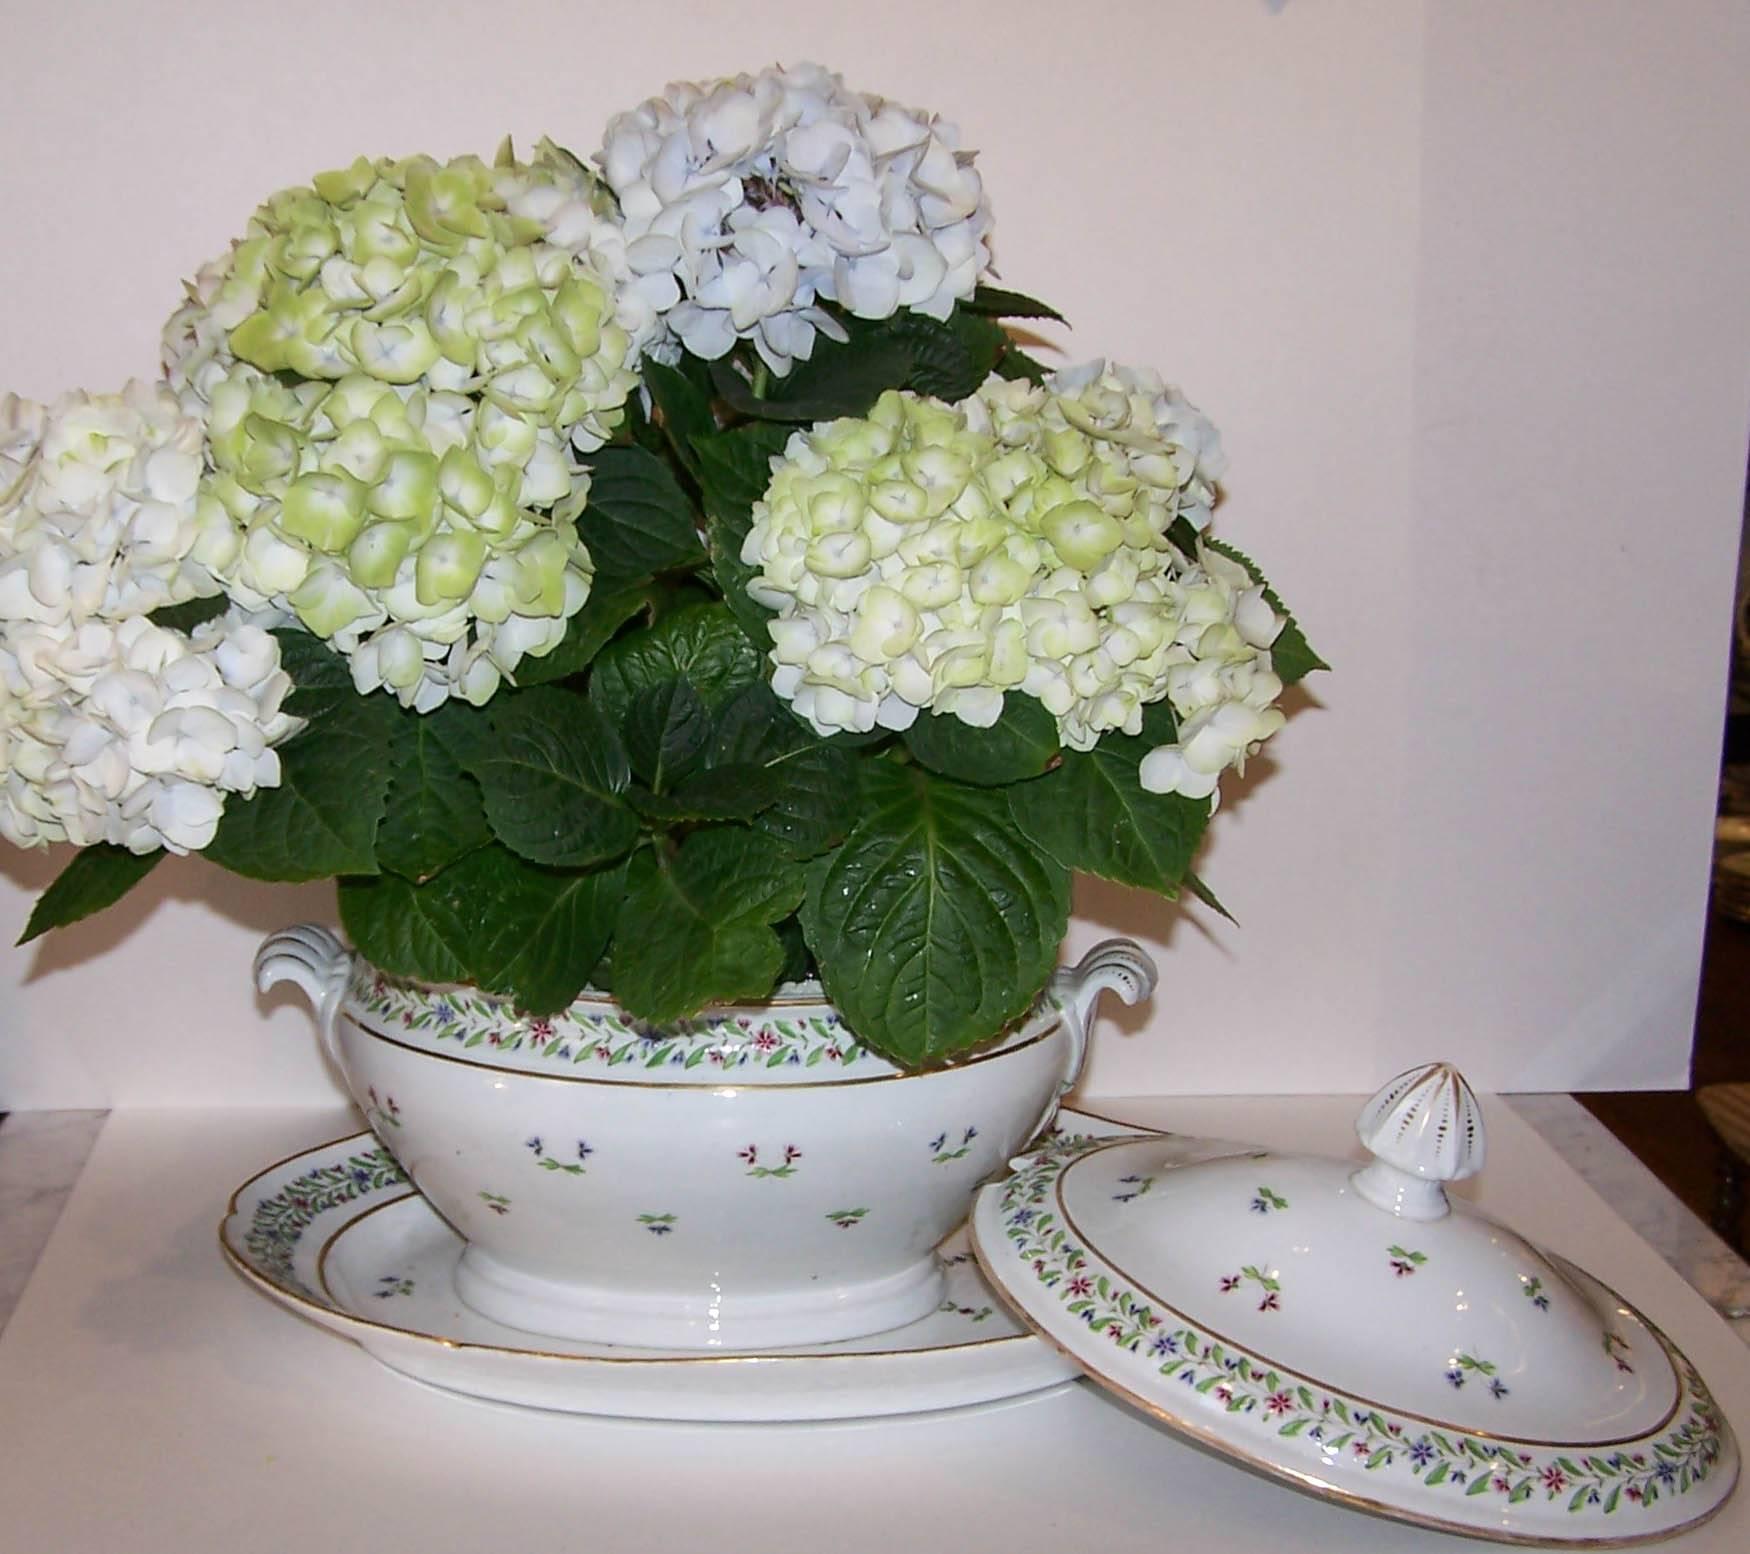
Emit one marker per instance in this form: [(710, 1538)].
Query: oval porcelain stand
[(747, 1180), (1356, 1333)]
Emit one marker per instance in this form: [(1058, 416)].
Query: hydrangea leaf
[(435, 813), (1208, 897), (935, 924), (98, 877), (405, 929), (695, 927), (700, 643), (948, 360), (1016, 363), (190, 613), (493, 919), (999, 303), (553, 776), (323, 817), (684, 407), (816, 802), (321, 680), (638, 521), (1020, 744), (798, 963), (590, 630), (735, 467), (837, 380), (724, 793), (667, 728), (1092, 813), (734, 470)]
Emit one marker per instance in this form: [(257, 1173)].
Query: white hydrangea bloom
[(113, 729), (935, 557), (397, 366), (129, 733), (99, 516), (747, 201)]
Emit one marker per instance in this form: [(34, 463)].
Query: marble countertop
[(41, 1156), (43, 1153)]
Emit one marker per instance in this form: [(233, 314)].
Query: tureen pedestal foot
[(605, 1314)]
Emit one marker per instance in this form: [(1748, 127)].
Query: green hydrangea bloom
[(397, 366), (934, 557)]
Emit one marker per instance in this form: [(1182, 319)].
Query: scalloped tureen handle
[(317, 963), (1119, 965), (1423, 1129)]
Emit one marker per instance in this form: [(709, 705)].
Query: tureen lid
[(1354, 1331)]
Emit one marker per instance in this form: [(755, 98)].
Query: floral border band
[(586, 1039), (280, 1219), (1639, 1473)]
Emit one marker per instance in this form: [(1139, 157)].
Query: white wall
[(1463, 284)]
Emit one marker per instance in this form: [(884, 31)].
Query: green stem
[(762, 379)]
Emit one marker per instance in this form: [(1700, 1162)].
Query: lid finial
[(1424, 1128)]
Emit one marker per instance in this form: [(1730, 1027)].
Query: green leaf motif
[(699, 643), (934, 923), (494, 919), (434, 813), (1093, 814), (590, 630), (98, 877), (695, 927), (1020, 744), (638, 520), (553, 776)]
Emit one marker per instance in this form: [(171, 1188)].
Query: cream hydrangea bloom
[(748, 201), (936, 557), (398, 365), (113, 729)]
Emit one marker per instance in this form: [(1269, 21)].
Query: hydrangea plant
[(669, 577)]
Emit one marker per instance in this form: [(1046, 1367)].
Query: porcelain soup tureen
[(750, 1178), (1357, 1333)]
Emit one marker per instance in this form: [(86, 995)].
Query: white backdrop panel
[(1460, 283)]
